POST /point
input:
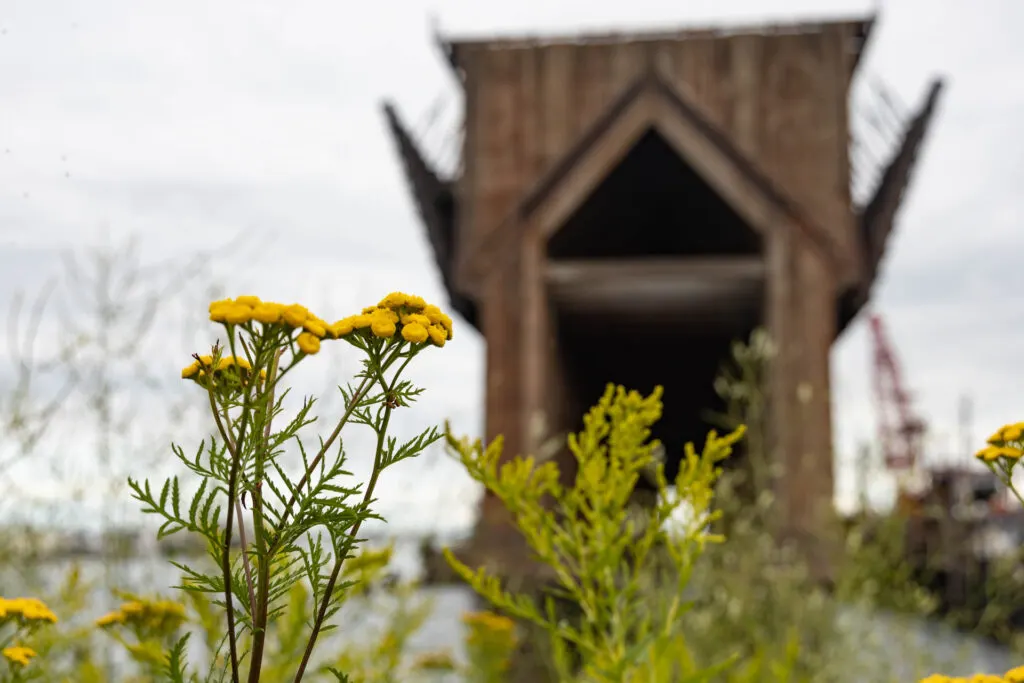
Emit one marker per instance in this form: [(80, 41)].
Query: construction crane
[(899, 428)]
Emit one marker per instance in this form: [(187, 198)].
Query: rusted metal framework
[(628, 205)]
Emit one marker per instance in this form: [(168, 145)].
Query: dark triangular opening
[(653, 204)]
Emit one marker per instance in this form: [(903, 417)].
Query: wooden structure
[(628, 205)]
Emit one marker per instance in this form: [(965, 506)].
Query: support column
[(535, 353), (501, 327), (544, 399), (801, 320)]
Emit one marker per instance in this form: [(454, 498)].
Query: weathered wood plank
[(747, 79), (586, 272), (556, 103)]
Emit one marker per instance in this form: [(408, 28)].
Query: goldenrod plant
[(292, 525), (597, 545)]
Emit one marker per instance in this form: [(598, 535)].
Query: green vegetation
[(692, 587)]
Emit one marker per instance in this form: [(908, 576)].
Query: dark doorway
[(683, 357)]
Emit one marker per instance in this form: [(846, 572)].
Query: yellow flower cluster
[(410, 316), (157, 615), (490, 627), (1006, 444), (199, 370), (434, 661), (248, 309), (492, 638), (27, 609), (1015, 675), (18, 654), (397, 313)]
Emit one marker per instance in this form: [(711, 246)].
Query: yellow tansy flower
[(219, 309), (267, 313), (398, 313), (438, 317), (30, 609), (382, 327), (383, 322), (237, 314), (1011, 452), (414, 332), (993, 453), (19, 654), (163, 615), (340, 328), (438, 335), (988, 454), (385, 314), (410, 318), (393, 300), (308, 343), (295, 315), (1012, 432), (314, 327), (1015, 675)]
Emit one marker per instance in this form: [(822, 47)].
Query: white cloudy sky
[(191, 124)]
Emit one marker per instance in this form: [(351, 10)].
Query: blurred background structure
[(627, 206)]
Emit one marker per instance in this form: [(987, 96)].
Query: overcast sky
[(192, 124)]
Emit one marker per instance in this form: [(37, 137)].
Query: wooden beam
[(584, 272), (646, 288)]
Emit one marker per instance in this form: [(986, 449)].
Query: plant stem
[(234, 449), (225, 429), (353, 534), (263, 556), (225, 564)]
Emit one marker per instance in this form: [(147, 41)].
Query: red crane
[(899, 430)]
